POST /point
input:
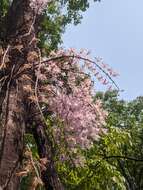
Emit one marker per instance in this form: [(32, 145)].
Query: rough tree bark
[(19, 41)]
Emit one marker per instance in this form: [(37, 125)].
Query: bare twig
[(4, 57), (36, 86)]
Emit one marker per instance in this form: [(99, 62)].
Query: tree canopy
[(54, 20)]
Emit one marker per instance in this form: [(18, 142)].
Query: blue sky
[(113, 30)]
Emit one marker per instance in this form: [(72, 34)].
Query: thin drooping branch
[(84, 59)]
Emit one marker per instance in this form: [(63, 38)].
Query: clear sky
[(113, 30)]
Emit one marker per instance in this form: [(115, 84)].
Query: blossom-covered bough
[(69, 93), (36, 90)]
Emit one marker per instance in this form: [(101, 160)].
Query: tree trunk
[(12, 124), (19, 33), (12, 131)]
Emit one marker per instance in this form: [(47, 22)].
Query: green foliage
[(58, 15), (4, 5), (54, 20), (126, 117), (98, 172)]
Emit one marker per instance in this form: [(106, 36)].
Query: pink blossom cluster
[(38, 5), (83, 120), (68, 92)]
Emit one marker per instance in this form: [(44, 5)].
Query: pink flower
[(38, 5)]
